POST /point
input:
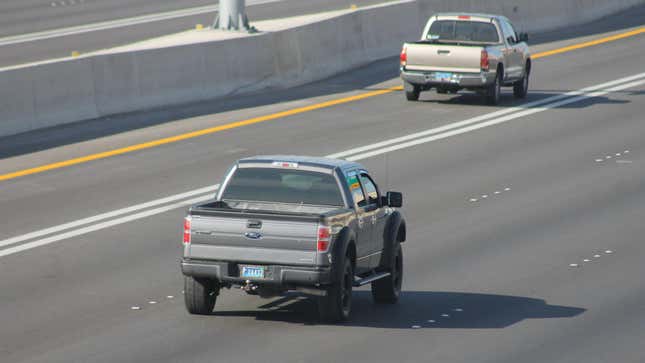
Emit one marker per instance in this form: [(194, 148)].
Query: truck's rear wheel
[(388, 289), (413, 94), (200, 295), (337, 304), (494, 91)]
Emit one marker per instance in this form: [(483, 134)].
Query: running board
[(370, 278)]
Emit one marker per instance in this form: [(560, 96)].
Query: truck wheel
[(494, 90), (521, 87), (413, 95), (337, 304), (200, 295), (387, 290)]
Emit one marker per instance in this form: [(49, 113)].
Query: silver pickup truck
[(478, 52), (288, 223)]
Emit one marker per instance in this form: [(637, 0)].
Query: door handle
[(443, 51)]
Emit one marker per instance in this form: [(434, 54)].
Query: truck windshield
[(462, 31), (283, 186)]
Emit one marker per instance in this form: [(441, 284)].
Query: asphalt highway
[(20, 17), (525, 224)]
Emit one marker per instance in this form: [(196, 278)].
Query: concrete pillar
[(231, 16)]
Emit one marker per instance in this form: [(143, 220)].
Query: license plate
[(443, 76), (256, 272)]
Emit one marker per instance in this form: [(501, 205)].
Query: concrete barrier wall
[(78, 89)]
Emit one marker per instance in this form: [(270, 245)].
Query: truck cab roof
[(471, 16), (328, 163)]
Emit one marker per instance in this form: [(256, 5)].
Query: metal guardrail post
[(231, 16)]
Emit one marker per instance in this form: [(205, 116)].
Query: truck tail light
[(187, 230), (404, 56), (324, 237), (484, 61)]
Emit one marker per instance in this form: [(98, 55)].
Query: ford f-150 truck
[(478, 52), (289, 223)]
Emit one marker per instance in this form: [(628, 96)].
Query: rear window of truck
[(283, 186), (468, 31)]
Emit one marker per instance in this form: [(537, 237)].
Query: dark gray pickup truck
[(288, 223)]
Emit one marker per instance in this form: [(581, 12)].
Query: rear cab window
[(283, 185), (454, 31)]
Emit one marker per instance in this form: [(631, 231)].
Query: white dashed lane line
[(587, 260), (486, 196)]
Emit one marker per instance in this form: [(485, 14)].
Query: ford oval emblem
[(253, 235)]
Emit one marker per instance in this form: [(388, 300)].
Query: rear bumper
[(277, 275), (429, 79)]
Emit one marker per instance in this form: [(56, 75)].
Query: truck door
[(377, 217), (363, 221), (512, 52)]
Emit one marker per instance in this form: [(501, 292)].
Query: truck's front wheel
[(388, 289), (200, 295), (337, 304)]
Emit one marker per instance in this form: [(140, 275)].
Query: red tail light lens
[(187, 230), (463, 17), (484, 61), (324, 237), (404, 56)]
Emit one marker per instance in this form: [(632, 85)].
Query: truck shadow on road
[(507, 100), (420, 310)]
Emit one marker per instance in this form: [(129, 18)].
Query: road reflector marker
[(573, 265), (609, 251), (135, 308), (76, 53), (353, 7), (199, 27)]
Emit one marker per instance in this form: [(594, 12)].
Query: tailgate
[(252, 238), (439, 57)]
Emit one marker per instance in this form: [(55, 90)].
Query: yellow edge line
[(589, 43), (273, 116)]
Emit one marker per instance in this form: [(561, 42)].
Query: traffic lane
[(368, 77), (20, 17), (87, 42), (498, 278), (28, 201)]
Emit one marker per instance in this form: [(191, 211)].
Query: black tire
[(521, 87), (494, 91), (336, 306), (200, 295), (387, 290), (414, 94)]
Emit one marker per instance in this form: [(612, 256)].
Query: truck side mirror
[(394, 199), (524, 37)]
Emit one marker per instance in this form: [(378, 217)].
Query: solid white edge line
[(491, 122), (103, 225), (115, 213), (581, 96), (481, 118)]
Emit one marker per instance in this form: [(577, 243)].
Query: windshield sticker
[(352, 181)]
